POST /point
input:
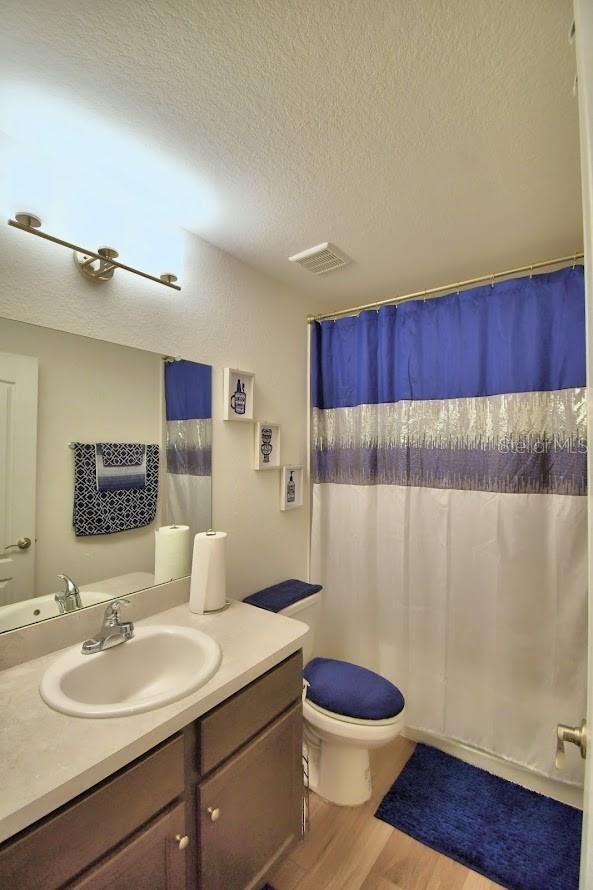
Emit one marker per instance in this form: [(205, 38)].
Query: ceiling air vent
[(321, 259)]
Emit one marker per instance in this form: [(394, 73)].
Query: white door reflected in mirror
[(18, 465)]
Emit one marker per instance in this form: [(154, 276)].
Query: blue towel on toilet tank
[(281, 595)]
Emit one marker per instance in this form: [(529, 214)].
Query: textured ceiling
[(429, 140)]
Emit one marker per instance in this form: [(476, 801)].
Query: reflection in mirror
[(105, 470)]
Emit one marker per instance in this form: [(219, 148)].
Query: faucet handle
[(113, 609)]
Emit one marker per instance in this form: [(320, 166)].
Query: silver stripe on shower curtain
[(189, 481)]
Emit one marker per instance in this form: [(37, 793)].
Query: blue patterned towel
[(281, 595), (122, 454), (105, 512), (128, 473)]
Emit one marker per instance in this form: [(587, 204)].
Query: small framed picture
[(267, 446), (239, 393), (291, 490)]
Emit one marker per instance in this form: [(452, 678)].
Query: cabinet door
[(152, 860), (251, 808)]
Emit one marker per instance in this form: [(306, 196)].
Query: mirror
[(105, 470)]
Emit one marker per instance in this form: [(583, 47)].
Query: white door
[(18, 467), (584, 44)]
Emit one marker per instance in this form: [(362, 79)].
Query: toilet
[(348, 710)]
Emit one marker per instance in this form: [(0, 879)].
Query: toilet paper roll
[(207, 592), (172, 544)]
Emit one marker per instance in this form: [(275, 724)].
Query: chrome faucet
[(113, 632), (69, 600)]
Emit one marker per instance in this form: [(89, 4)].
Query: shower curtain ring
[(492, 281), (531, 271)]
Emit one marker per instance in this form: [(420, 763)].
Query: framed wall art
[(267, 446), (291, 487), (239, 395)]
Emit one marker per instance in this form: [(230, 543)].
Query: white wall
[(227, 315), (88, 391)]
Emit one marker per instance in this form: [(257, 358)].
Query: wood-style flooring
[(346, 848)]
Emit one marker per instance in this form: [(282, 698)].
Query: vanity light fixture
[(98, 265)]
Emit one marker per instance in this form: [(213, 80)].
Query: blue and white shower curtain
[(449, 508), (188, 405)]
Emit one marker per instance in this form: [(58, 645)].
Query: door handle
[(576, 735), (22, 544)]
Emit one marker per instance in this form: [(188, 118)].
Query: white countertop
[(48, 758)]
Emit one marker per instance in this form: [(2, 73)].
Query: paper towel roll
[(171, 553), (207, 592)]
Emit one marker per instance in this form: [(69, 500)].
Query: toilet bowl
[(347, 712), (338, 752)]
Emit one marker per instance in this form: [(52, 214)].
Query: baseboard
[(562, 791)]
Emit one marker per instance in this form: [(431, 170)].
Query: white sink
[(159, 665)]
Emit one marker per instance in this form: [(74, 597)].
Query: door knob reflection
[(22, 544)]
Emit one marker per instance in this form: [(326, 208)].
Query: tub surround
[(49, 758)]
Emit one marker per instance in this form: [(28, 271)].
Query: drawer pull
[(214, 813), (182, 841)]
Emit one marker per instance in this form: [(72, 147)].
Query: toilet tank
[(307, 610)]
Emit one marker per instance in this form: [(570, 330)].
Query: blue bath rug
[(513, 836)]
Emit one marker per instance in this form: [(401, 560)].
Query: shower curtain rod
[(443, 289)]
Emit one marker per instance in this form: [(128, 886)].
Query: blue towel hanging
[(122, 454), (104, 512), (128, 472)]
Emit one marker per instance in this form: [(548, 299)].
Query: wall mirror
[(105, 470)]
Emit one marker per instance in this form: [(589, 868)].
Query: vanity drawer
[(231, 724), (54, 851)]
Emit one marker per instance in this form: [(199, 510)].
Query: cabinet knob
[(182, 841), (214, 813)]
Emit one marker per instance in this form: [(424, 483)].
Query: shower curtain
[(188, 406), (449, 516)]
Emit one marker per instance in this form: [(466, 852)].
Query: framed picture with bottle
[(267, 446), (239, 395), (291, 487)]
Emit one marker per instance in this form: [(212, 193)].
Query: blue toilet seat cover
[(351, 690)]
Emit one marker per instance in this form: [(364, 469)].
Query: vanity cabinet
[(211, 808)]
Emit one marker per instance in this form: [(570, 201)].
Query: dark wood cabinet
[(54, 851), (154, 859), (153, 825), (250, 810)]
